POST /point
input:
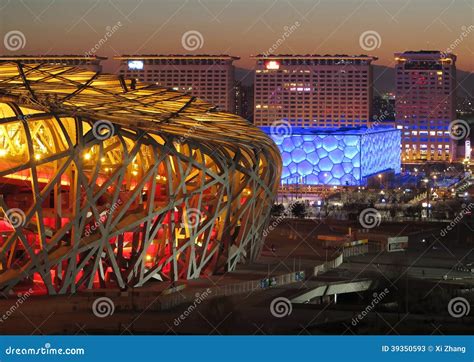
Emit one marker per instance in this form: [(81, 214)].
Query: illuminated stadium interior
[(339, 157), (110, 183)]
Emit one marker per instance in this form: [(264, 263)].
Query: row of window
[(425, 133), (318, 62), (185, 79), (312, 98), (181, 62), (178, 71), (424, 146), (426, 139), (428, 128), (324, 119), (275, 103), (315, 122), (319, 74)]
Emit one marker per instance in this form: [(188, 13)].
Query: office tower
[(244, 100), (209, 77), (86, 62), (313, 90), (425, 104), (384, 107)]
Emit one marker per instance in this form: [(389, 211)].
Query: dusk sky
[(241, 27)]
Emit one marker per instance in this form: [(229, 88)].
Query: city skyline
[(292, 169), (241, 28)]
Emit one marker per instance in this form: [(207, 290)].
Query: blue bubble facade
[(336, 157)]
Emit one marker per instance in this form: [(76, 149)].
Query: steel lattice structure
[(106, 181)]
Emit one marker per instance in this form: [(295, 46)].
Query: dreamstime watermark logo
[(459, 129), (15, 217), (193, 217), (280, 130), (22, 297), (370, 40), (189, 132), (465, 31), (370, 218), (24, 117), (377, 120), (457, 219), (103, 130), (45, 350), (281, 307), (377, 299), (14, 40), (102, 218), (45, 101), (4, 3), (192, 40), (109, 31), (287, 31), (200, 297), (103, 307), (279, 219), (459, 307)]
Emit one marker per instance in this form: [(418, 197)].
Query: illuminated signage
[(135, 64), (272, 64)]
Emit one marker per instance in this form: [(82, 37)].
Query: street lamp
[(380, 179), (427, 181)]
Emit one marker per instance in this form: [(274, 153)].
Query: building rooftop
[(422, 51), (430, 54), (176, 56), (68, 57), (313, 56), (346, 131)]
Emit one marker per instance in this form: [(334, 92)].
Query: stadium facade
[(107, 182), (335, 157)]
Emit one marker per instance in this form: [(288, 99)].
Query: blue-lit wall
[(336, 158), (380, 151)]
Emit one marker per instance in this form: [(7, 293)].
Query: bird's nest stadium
[(110, 183)]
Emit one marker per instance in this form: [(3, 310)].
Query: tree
[(298, 209), (277, 210)]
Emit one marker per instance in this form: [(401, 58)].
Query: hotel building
[(425, 104), (313, 90), (209, 77), (86, 62)]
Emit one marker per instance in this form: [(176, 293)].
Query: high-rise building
[(86, 62), (384, 107), (209, 77), (244, 100), (425, 104), (313, 90)]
